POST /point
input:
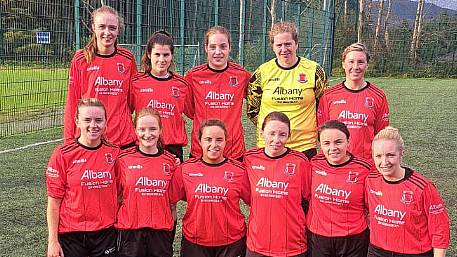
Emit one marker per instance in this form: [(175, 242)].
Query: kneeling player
[(408, 218), (337, 214), (81, 186), (280, 179), (145, 221), (213, 225)]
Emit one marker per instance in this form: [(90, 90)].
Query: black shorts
[(144, 242), (236, 249), (250, 253), (176, 150), (100, 243), (374, 251), (347, 246)]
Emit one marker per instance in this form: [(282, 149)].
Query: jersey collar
[(277, 157), (214, 165), (218, 71), (291, 67), (408, 173)]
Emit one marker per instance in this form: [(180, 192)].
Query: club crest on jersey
[(233, 81), (407, 197), (289, 170), (352, 177), (228, 176), (369, 102), (109, 158), (166, 169), (120, 68), (175, 92), (302, 78)]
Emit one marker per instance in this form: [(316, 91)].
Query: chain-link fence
[(407, 38), (38, 39)]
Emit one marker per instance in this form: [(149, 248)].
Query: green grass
[(423, 110)]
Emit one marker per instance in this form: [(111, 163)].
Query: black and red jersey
[(337, 206), (106, 78), (277, 225), (84, 178), (406, 216), (143, 183), (365, 112), (212, 191), (218, 94), (167, 96)]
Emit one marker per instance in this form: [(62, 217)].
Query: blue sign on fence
[(43, 37)]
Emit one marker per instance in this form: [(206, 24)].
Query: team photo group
[(325, 180)]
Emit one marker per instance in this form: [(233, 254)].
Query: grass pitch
[(423, 110)]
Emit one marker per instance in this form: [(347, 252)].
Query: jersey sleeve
[(73, 96), (437, 216), (245, 189), (306, 181), (177, 191), (245, 86), (254, 96), (55, 175), (130, 95), (322, 110), (321, 82), (189, 105), (382, 119)]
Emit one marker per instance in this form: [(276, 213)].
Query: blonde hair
[(215, 30), (283, 27), (91, 48), (90, 102), (151, 112), (390, 133), (357, 47)]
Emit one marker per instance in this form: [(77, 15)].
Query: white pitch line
[(57, 140), (30, 146)]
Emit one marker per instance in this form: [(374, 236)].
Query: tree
[(360, 22), (386, 24), (417, 31), (378, 25)]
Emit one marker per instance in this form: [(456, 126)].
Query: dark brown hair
[(279, 116), (159, 38), (333, 124), (211, 123)]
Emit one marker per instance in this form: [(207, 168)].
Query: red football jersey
[(143, 181), (85, 180), (406, 216), (218, 95), (167, 96), (106, 78), (213, 216), (277, 225), (365, 112), (337, 206)]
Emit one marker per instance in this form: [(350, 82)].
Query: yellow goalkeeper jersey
[(293, 91)]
